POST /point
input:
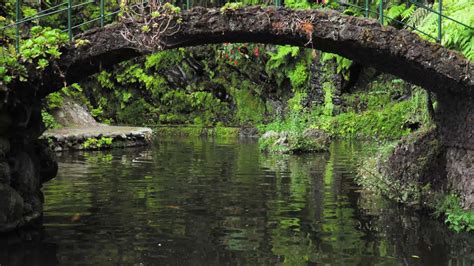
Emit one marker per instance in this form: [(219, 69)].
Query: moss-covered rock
[(311, 140), (409, 171)]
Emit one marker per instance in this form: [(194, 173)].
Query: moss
[(197, 131), (293, 143), (250, 109), (226, 132)]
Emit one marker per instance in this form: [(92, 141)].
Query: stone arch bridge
[(25, 164)]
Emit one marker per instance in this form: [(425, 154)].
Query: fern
[(400, 12), (417, 17), (281, 56), (455, 36)]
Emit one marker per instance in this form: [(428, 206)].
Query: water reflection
[(203, 202)]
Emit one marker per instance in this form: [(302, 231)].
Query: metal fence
[(366, 8)]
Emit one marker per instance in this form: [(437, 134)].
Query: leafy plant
[(94, 143), (456, 218)]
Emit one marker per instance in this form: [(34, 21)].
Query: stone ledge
[(74, 138)]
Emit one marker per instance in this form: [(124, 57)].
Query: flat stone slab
[(97, 131), (72, 138)]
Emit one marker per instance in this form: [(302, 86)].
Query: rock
[(11, 207), (48, 161), (270, 134), (4, 146), (25, 177), (5, 175), (246, 131), (72, 114), (282, 140), (5, 123), (313, 133), (317, 135)]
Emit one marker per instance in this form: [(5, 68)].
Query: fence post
[(440, 11), (366, 8), (101, 13), (381, 11), (69, 19), (17, 24)]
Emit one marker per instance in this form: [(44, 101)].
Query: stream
[(219, 202)]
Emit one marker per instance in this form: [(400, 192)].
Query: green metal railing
[(69, 7)]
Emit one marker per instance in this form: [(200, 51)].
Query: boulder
[(270, 134), (5, 173), (11, 208)]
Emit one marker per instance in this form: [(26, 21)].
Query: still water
[(204, 202)]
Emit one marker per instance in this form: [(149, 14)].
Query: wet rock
[(48, 161)]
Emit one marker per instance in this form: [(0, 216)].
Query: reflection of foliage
[(98, 157)]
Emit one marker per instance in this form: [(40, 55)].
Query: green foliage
[(281, 57), (94, 143), (342, 63), (299, 76), (230, 6), (297, 4), (291, 64), (219, 131), (41, 48), (371, 177), (399, 12), (379, 117), (385, 123), (455, 36), (250, 109), (456, 218), (42, 44), (49, 120)]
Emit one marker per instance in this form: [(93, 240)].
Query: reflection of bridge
[(399, 52)]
